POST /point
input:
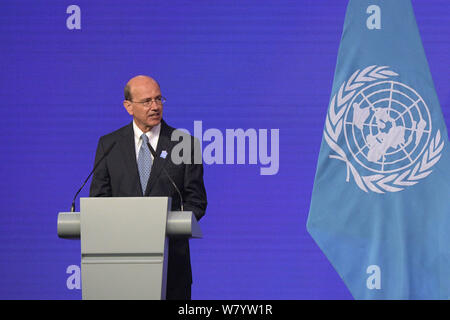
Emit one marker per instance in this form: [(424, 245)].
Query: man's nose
[(154, 106)]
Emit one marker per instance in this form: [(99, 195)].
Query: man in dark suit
[(130, 170)]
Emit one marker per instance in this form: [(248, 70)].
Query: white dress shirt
[(153, 137)]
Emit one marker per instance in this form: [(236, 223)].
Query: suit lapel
[(129, 151), (159, 162)]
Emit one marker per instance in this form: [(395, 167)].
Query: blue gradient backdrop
[(230, 64)]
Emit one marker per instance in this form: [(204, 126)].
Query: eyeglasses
[(148, 102)]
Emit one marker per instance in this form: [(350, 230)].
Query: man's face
[(142, 90)]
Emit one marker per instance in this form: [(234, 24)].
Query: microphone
[(72, 208), (168, 176)]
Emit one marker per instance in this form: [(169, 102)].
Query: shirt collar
[(154, 132)]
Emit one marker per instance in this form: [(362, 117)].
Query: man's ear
[(128, 106)]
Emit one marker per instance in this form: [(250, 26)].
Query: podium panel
[(123, 225), (123, 247), (124, 277)]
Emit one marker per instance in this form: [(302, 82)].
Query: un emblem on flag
[(382, 130)]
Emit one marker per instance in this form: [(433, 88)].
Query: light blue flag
[(380, 208)]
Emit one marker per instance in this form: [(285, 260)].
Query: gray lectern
[(124, 244)]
